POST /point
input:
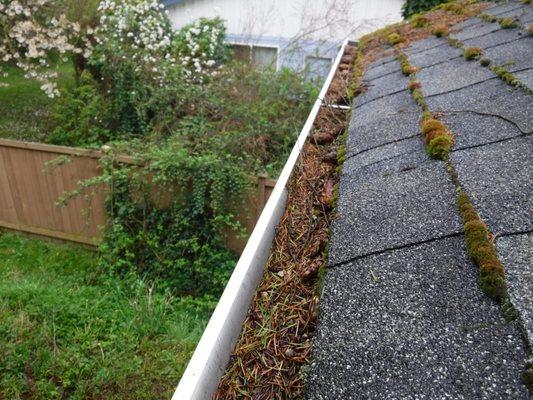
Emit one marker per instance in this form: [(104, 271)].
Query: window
[(317, 67), (264, 57), (259, 56)]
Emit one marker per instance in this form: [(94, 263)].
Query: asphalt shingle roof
[(402, 314)]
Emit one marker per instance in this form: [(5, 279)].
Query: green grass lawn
[(24, 107), (69, 331)]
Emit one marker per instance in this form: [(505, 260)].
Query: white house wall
[(297, 27)]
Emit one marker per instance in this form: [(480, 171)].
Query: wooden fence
[(30, 189)]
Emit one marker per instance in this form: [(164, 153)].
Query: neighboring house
[(300, 34)]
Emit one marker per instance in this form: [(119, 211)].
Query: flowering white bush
[(139, 30), (30, 33), (201, 47)]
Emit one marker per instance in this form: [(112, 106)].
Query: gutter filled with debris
[(299, 181)]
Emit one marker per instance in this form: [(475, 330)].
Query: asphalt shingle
[(381, 131), (492, 97), (517, 55), (433, 56), (499, 179), (384, 86), (413, 324), (393, 203), (498, 37), (452, 75), (471, 129), (383, 107)]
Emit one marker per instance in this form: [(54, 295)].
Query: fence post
[(261, 184)]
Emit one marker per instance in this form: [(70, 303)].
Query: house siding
[(298, 28)]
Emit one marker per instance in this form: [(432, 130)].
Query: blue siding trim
[(293, 58), (171, 2)]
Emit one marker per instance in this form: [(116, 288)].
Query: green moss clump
[(454, 42), (440, 146), (482, 250), (508, 23), (494, 285), (394, 39), (485, 62), (431, 125), (409, 69), (419, 21), (418, 97), (426, 114), (529, 29), (470, 215), (414, 84), (472, 53), (506, 76), (488, 18), (440, 30), (476, 233)]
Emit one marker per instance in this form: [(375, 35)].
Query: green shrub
[(80, 116), (411, 7), (453, 7)]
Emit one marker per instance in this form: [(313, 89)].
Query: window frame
[(252, 45)]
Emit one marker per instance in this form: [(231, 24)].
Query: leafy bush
[(80, 116), (411, 7), (168, 218), (200, 128)]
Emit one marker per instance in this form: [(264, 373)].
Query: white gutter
[(201, 378)]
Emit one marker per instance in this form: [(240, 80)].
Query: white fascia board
[(207, 364)]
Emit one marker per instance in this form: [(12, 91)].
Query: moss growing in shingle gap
[(485, 62), (454, 42), (488, 18), (418, 97), (508, 23), (354, 88), (407, 68), (505, 75), (440, 30), (482, 249), (440, 146), (414, 84), (394, 39), (472, 53), (529, 29), (526, 1), (431, 125)]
